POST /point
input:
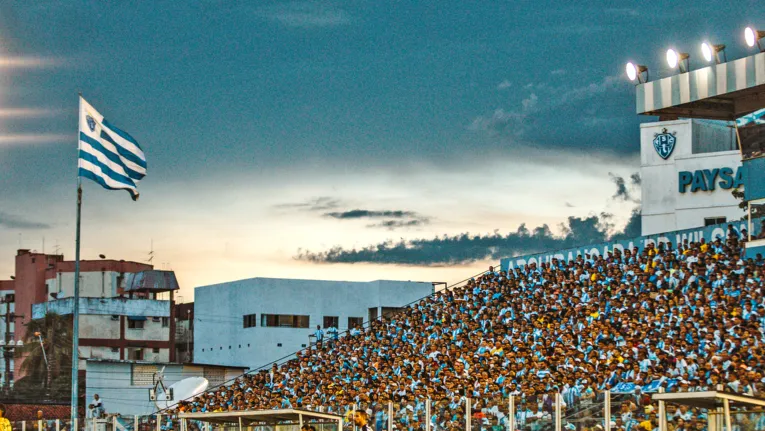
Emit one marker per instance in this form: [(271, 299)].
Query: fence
[(547, 411)]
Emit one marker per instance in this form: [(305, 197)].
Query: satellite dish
[(180, 391)]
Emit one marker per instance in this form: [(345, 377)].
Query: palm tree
[(56, 332)]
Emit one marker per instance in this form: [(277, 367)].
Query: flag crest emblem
[(664, 143), (91, 123)]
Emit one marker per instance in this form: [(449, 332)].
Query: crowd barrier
[(599, 411)]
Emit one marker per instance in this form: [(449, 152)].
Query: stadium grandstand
[(672, 317)]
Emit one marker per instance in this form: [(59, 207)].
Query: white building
[(123, 386), (688, 170), (257, 321)]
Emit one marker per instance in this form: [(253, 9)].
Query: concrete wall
[(101, 284), (219, 335), (108, 306), (664, 207), (124, 386)]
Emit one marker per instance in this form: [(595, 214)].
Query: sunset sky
[(285, 137)]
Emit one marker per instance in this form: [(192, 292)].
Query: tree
[(56, 332)]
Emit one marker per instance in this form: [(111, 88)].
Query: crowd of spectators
[(691, 313)]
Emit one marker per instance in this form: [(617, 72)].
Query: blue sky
[(262, 119)]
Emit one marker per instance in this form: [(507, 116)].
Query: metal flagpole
[(76, 310)]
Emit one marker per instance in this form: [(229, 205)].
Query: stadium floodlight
[(674, 59), (753, 36), (635, 72), (708, 51)]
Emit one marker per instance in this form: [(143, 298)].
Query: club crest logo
[(664, 143), (91, 123)]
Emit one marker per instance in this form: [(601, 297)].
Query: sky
[(348, 140)]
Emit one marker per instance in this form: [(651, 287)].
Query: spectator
[(319, 334), (689, 316), (5, 424)]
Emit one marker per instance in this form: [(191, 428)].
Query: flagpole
[(76, 307)]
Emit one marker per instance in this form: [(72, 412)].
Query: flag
[(108, 155)]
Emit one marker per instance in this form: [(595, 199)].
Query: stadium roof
[(707, 399), (721, 92), (261, 416)]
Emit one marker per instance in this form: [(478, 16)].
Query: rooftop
[(723, 91), (193, 364)]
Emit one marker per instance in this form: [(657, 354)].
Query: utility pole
[(8, 345), (6, 351)]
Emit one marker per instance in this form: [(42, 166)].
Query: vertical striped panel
[(740, 68), (759, 68), (685, 88), (750, 80), (721, 76), (649, 103), (670, 89), (640, 98), (730, 74), (702, 83), (658, 95)]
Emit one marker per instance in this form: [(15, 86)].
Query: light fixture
[(753, 36), (19, 343), (635, 72), (674, 59), (708, 51)]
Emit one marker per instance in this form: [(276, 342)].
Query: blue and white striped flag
[(108, 155)]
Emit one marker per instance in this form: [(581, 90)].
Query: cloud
[(569, 205), (530, 103), (354, 214), (635, 178), (621, 187), (395, 224), (321, 203), (35, 138), (27, 112), (27, 62), (504, 85), (10, 221), (466, 248), (565, 112), (623, 191), (306, 15), (499, 123), (558, 72), (404, 219)]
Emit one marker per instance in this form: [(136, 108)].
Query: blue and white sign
[(664, 143), (709, 233)]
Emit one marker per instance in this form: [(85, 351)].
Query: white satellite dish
[(180, 391)]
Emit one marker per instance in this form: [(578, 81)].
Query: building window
[(355, 322), (155, 350), (135, 324), (283, 321), (115, 349), (136, 355), (331, 321), (249, 320), (711, 221), (165, 322)]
